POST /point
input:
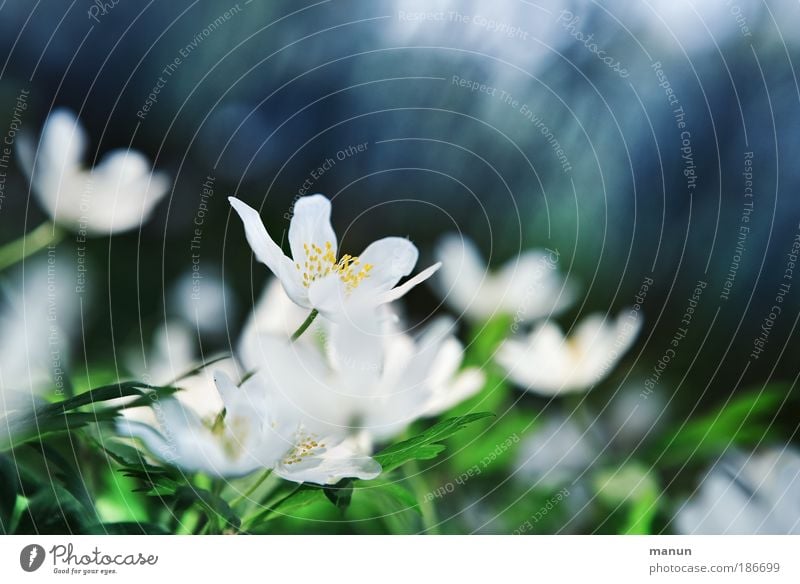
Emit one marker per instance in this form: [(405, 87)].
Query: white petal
[(264, 247), (406, 286), (532, 287), (541, 363), (462, 276), (391, 258), (269, 253), (274, 315), (329, 295), (311, 224), (465, 385), (63, 142), (343, 460)]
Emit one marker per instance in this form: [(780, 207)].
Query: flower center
[(232, 432), (322, 262), (304, 446)]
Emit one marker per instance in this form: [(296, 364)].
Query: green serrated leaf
[(426, 445)]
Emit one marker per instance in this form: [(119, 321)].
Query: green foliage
[(69, 414), (426, 445), (745, 420)]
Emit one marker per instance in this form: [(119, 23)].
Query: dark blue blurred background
[(579, 157)]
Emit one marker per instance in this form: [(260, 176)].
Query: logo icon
[(31, 557)]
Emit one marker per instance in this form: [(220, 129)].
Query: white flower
[(556, 453), (747, 495), (527, 287), (204, 300), (549, 364), (315, 277), (173, 354), (359, 377), (118, 194), (250, 433)]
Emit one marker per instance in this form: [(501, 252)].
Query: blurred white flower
[(247, 435), (313, 277), (747, 495), (548, 363), (204, 300), (274, 315), (116, 195), (38, 309), (527, 287), (359, 377), (555, 454), (172, 355), (629, 418)]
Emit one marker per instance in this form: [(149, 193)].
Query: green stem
[(419, 485), (268, 509), (248, 493), (306, 323), (30, 243)]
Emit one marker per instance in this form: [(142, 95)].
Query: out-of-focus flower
[(247, 435), (116, 195), (629, 418), (204, 300), (37, 310), (313, 277), (172, 356), (274, 315), (362, 376), (555, 454), (527, 287), (748, 495), (548, 363)]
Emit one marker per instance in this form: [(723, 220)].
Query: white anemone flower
[(116, 195), (361, 377), (172, 356), (249, 434), (316, 277), (747, 495), (548, 363), (527, 287)]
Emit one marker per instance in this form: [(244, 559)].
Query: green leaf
[(484, 339), (69, 476), (403, 498), (340, 494), (744, 421), (8, 493), (302, 497), (126, 528), (63, 416), (634, 487), (426, 445), (214, 504), (53, 511)]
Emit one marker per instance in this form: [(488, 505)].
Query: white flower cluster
[(530, 289), (312, 410)]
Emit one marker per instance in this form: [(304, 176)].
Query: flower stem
[(306, 323), (268, 507), (27, 245), (430, 521), (248, 493)]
